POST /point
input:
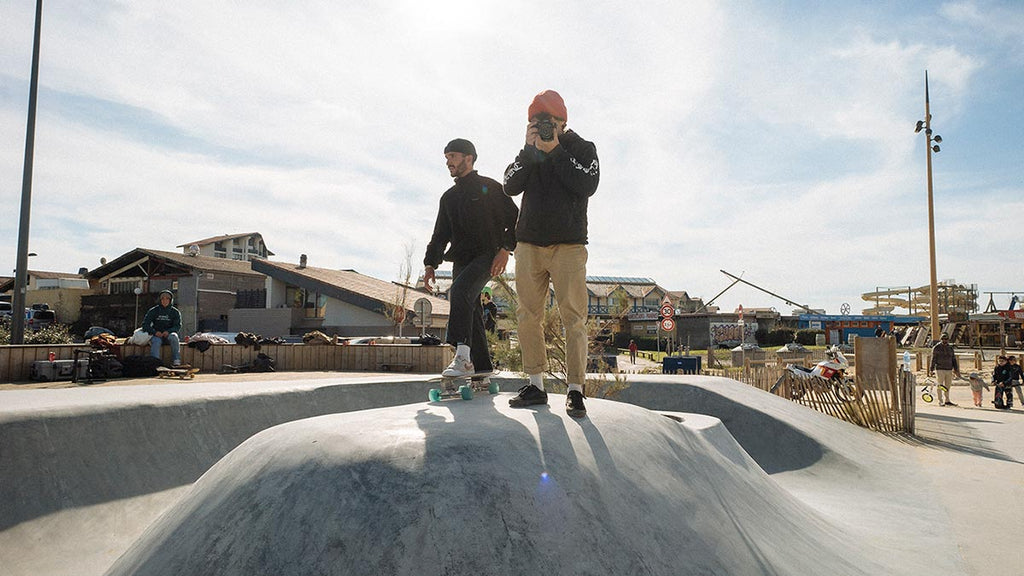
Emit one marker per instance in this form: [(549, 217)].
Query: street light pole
[(934, 290), (21, 270)]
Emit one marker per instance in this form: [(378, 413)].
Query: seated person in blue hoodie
[(162, 323)]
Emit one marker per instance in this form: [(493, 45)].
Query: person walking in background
[(944, 364), (478, 222), (556, 172), (163, 322), (490, 310), (632, 351), (1001, 377)]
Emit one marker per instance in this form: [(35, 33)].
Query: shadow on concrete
[(775, 445)]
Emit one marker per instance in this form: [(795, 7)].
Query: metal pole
[(21, 273), (934, 289)]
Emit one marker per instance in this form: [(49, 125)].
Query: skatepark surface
[(335, 474)]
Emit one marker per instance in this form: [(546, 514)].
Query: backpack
[(138, 366)]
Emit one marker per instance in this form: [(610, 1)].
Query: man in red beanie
[(478, 221), (556, 172)]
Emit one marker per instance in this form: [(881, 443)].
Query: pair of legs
[(565, 267), (976, 394), (465, 318), (172, 338), (1007, 390), (945, 380)]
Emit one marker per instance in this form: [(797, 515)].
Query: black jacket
[(476, 218), (556, 188)]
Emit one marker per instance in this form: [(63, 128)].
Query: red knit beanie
[(548, 101)]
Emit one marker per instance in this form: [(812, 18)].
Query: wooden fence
[(16, 361), (883, 406)]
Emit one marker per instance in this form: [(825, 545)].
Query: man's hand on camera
[(532, 137), (545, 146)]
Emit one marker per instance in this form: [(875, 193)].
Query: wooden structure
[(884, 398), (16, 361)]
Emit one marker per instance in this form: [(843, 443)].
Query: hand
[(428, 278), (547, 146), (499, 262), (531, 135)]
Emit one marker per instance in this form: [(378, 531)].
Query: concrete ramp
[(479, 488)]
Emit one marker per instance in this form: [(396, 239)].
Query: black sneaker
[(574, 404), (528, 396)]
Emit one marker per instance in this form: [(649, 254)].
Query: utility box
[(684, 364)]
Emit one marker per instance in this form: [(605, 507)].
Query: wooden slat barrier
[(884, 407), (16, 361)]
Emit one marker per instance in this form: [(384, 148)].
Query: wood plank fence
[(16, 361), (883, 404)]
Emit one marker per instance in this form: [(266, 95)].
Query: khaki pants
[(564, 266), (945, 378)]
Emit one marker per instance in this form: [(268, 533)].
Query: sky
[(770, 139)]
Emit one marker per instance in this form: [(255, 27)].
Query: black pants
[(466, 316), (1005, 389)]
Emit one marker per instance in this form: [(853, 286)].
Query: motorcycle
[(830, 373)]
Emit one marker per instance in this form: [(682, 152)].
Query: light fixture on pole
[(926, 125), (137, 292)]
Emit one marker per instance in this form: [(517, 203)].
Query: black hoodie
[(556, 188), (476, 217)]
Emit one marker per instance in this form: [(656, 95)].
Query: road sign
[(667, 311), (423, 309), (668, 324)]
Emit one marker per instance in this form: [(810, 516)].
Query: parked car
[(6, 310), (39, 316)]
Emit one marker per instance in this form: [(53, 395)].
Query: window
[(313, 303), (123, 286)]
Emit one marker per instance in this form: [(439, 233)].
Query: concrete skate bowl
[(479, 488)]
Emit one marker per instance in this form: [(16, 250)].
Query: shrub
[(54, 334), (807, 336)]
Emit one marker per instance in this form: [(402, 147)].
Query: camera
[(546, 128)]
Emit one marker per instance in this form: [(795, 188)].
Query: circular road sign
[(668, 324), (667, 311)]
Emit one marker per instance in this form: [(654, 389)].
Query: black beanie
[(462, 146)]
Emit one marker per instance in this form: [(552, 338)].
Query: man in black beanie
[(475, 231)]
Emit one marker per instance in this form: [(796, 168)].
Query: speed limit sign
[(667, 311), (668, 324)]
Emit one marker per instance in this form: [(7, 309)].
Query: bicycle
[(928, 388)]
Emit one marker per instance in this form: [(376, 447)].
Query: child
[(1001, 379), (976, 385), (1016, 375)]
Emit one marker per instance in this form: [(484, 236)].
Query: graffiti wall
[(733, 332)]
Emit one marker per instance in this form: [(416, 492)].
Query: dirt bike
[(830, 373)]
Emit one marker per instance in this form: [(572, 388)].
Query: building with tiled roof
[(205, 289), (345, 302), (247, 246)]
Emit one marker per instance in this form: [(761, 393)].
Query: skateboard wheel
[(466, 392), (492, 388), (434, 395)]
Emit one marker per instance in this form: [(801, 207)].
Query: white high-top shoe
[(459, 368)]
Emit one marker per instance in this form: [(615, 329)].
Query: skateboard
[(450, 387), (181, 372)]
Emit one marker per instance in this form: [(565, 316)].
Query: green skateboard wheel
[(434, 394), (466, 392)]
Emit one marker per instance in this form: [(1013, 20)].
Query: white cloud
[(744, 136)]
